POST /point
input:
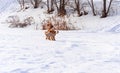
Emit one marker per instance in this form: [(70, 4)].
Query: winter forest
[(59, 36), (58, 12)]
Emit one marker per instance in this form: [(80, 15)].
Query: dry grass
[(15, 22), (59, 23)]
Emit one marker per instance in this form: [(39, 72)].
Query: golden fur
[(50, 33)]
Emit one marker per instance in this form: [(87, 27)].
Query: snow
[(25, 51), (93, 49), (4, 4)]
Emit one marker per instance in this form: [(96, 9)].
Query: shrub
[(16, 23), (59, 23), (13, 19)]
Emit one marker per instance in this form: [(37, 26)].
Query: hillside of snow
[(86, 23)]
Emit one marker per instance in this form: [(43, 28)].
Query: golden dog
[(50, 33)]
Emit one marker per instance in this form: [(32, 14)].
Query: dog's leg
[(53, 38)]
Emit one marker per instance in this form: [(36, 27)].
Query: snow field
[(93, 49), (29, 52)]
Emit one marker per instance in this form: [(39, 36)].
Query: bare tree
[(55, 2), (62, 10), (91, 3), (78, 8), (106, 10), (22, 4), (61, 7), (50, 6), (35, 3)]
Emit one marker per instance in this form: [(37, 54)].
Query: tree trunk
[(22, 4), (50, 6), (93, 8), (62, 10), (56, 5), (105, 10), (36, 3), (109, 6), (77, 3), (104, 14)]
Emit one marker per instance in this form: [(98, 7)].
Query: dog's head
[(49, 26)]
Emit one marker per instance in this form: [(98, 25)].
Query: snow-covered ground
[(93, 49), (25, 51)]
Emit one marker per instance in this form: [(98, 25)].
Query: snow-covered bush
[(29, 20), (14, 21), (59, 23)]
